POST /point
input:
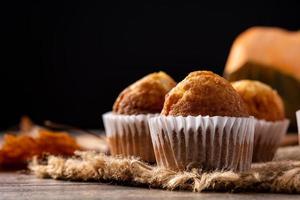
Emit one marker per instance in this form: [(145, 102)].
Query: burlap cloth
[(281, 176)]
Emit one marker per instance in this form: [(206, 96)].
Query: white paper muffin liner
[(267, 138), (129, 135), (298, 124), (209, 143)]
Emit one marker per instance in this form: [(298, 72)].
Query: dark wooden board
[(22, 186)]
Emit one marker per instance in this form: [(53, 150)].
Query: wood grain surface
[(21, 186)]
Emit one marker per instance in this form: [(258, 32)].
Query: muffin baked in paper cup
[(298, 123), (209, 143), (129, 135), (267, 138)]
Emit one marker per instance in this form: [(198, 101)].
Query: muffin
[(298, 124), (267, 107), (204, 124), (127, 125)]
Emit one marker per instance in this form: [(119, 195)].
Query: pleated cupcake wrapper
[(298, 123), (267, 138), (209, 143), (129, 135)]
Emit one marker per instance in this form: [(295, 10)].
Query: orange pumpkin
[(270, 55)]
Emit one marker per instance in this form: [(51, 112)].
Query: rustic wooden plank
[(21, 186)]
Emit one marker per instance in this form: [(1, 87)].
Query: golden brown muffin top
[(146, 95), (204, 93), (262, 101)]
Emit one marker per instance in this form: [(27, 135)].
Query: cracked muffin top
[(262, 101), (204, 93), (146, 95)]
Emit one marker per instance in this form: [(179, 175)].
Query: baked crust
[(262, 101), (146, 95), (204, 93)]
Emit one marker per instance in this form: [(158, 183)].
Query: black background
[(67, 61)]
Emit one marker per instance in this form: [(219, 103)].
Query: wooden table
[(21, 186)]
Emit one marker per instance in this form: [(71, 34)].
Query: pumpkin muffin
[(204, 93), (127, 125), (267, 107), (147, 95), (262, 101), (204, 124)]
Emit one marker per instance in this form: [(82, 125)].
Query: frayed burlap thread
[(277, 176)]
